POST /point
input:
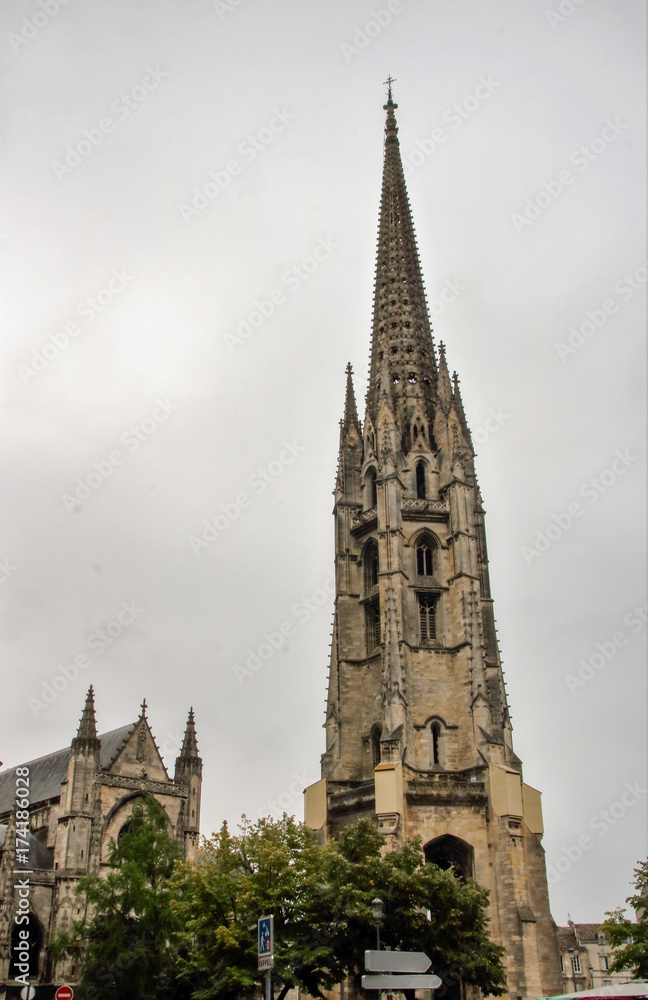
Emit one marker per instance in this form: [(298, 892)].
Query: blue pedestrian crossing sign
[(266, 942)]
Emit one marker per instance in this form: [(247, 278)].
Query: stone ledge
[(142, 784), (348, 800)]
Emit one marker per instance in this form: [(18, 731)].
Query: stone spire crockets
[(86, 737), (401, 335), (188, 772), (190, 743), (350, 408)]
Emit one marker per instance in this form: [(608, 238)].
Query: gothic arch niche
[(420, 480), (374, 740), (34, 944), (370, 564), (426, 554), (437, 744), (117, 822), (419, 434), (450, 852), (370, 496)]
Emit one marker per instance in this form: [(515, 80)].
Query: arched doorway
[(26, 948), (451, 852)]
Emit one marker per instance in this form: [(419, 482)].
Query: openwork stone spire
[(350, 409), (86, 737), (401, 346), (190, 743)]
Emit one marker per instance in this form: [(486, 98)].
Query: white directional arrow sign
[(410, 962), (406, 982), (396, 961)]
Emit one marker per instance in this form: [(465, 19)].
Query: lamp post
[(377, 911)]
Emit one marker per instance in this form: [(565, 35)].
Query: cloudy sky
[(190, 206)]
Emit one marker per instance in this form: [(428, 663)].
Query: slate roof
[(587, 932), (575, 933), (47, 773)]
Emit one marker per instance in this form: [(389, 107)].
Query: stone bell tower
[(418, 732)]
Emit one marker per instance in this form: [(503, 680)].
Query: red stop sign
[(64, 993)]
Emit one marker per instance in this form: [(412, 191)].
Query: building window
[(420, 480), (376, 733), (435, 736), (373, 626), (424, 558), (605, 963), (601, 939), (370, 488), (576, 964), (427, 616), (371, 566), (562, 964)]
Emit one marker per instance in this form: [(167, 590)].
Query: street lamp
[(377, 911)]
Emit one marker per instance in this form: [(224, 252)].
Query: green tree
[(321, 901), (123, 941), (628, 938)]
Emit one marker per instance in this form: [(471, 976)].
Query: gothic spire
[(86, 737), (444, 386), (458, 402), (350, 455), (401, 329), (350, 408), (190, 743)]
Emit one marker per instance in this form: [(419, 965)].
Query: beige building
[(418, 732), (73, 802), (585, 958)]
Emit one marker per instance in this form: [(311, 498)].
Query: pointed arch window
[(373, 626), (370, 487), (371, 566), (435, 743), (376, 733), (420, 480), (425, 557), (427, 605)]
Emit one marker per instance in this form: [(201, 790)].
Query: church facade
[(418, 731), (58, 815)]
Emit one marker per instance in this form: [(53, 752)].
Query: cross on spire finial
[(388, 82)]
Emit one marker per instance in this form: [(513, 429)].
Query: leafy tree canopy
[(628, 938), (124, 938), (321, 901)]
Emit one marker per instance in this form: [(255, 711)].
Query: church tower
[(418, 731)]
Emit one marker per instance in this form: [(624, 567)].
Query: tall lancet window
[(373, 626), (370, 488), (376, 733), (420, 480), (427, 617), (371, 566), (435, 743), (425, 557)]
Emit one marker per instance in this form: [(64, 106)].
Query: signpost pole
[(268, 985)]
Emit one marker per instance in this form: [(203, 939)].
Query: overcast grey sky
[(173, 341)]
